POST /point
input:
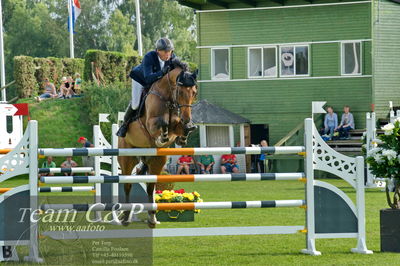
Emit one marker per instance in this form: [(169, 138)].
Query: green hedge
[(30, 72), (109, 67)]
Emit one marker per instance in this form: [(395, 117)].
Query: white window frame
[(294, 66), (262, 62), (342, 58), (213, 62)]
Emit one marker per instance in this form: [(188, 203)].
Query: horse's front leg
[(158, 128), (152, 219), (182, 132)]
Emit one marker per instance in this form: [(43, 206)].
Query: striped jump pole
[(170, 151), (5, 151), (55, 189), (175, 206), (5, 189), (66, 189), (171, 178), (65, 170)]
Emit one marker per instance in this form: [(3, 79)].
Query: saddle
[(142, 106)]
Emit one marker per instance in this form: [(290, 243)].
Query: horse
[(167, 111)]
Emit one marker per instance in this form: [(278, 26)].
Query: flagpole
[(138, 28), (2, 67), (71, 30)]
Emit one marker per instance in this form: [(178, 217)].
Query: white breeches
[(137, 89)]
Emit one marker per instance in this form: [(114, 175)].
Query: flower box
[(175, 216), (176, 196)]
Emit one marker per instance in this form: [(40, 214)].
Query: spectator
[(48, 164), (69, 163), (87, 161), (262, 159), (78, 82), (71, 83), (49, 91), (84, 141), (346, 124), (229, 164), (330, 122), (206, 163), (65, 90), (184, 163)]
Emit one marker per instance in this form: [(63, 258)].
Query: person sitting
[(48, 164), (184, 163), (78, 82), (154, 66), (206, 163), (71, 83), (65, 91), (49, 91), (330, 122), (68, 163), (346, 124), (229, 164)]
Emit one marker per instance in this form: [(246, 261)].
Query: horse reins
[(172, 105)]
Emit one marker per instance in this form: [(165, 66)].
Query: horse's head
[(186, 84)]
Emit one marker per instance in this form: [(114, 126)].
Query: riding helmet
[(164, 44)]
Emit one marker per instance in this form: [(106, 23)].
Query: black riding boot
[(129, 115)]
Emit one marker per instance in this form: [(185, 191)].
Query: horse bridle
[(172, 105)]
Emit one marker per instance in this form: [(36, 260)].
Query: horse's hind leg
[(156, 165), (127, 164)]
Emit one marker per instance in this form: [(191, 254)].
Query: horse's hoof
[(159, 143), (125, 223), (151, 225)]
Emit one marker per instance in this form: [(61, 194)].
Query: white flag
[(318, 108), (104, 118)]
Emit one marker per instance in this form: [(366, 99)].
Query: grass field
[(249, 250)]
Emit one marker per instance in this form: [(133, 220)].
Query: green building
[(266, 60)]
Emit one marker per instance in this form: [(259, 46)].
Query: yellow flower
[(157, 198), (189, 196), (196, 194)]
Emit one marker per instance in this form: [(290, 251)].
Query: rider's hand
[(165, 70)]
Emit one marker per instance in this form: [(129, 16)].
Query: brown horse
[(167, 111)]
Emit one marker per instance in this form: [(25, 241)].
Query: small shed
[(217, 129), (216, 125)]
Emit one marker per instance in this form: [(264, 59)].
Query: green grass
[(251, 250), (60, 123)]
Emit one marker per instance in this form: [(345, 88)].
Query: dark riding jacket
[(149, 70)]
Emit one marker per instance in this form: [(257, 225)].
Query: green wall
[(321, 23), (386, 82), (283, 104)]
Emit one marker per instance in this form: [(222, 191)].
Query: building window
[(262, 62), (294, 60), (351, 58), (220, 67)]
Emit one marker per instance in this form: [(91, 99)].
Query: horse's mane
[(176, 62)]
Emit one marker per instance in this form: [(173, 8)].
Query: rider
[(154, 66)]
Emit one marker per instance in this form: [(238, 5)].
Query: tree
[(120, 35)]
